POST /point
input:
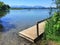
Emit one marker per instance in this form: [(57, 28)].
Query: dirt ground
[(12, 38)]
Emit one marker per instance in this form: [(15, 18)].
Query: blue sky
[(45, 3)]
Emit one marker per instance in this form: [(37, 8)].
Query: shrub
[(52, 28)]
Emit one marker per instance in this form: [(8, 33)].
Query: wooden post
[(37, 29)]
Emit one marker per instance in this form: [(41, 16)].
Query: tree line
[(4, 6)]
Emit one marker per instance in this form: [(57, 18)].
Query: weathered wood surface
[(31, 33)]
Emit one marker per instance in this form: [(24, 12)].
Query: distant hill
[(31, 7), (27, 7)]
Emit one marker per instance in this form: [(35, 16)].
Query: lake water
[(13, 21), (19, 19)]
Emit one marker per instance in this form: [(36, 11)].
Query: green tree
[(52, 29), (4, 6), (1, 4)]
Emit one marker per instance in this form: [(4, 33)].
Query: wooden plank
[(31, 33)]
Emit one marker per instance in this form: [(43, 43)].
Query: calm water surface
[(19, 19)]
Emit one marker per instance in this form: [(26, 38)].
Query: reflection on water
[(20, 19), (4, 26), (1, 27), (3, 13)]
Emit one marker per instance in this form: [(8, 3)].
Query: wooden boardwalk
[(31, 33)]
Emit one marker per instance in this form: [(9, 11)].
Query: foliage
[(52, 28), (4, 6), (1, 4), (3, 9)]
